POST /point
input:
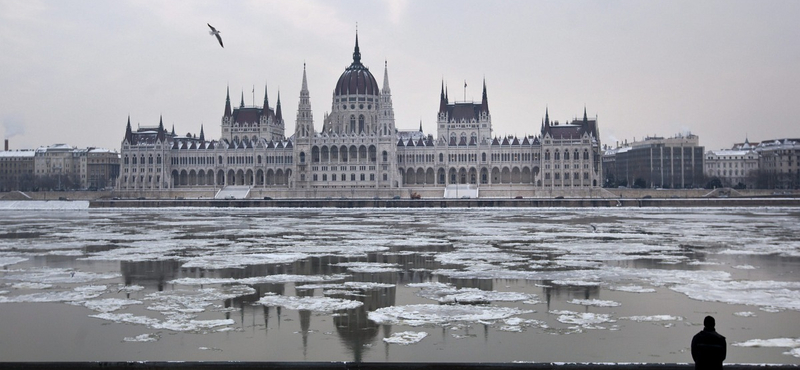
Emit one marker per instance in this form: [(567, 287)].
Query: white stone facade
[(359, 152)]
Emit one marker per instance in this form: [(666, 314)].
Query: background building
[(656, 162), (779, 164), (17, 169), (734, 167)]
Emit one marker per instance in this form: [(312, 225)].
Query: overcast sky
[(73, 71)]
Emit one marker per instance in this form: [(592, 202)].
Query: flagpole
[(465, 91)]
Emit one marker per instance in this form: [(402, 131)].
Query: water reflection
[(551, 258)]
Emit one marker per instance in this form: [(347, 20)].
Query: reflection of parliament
[(360, 153)]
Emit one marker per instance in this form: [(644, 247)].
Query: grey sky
[(72, 71)]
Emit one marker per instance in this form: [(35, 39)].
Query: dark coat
[(708, 349)]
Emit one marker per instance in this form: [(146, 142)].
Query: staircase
[(233, 192)]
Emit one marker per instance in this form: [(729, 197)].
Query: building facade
[(359, 151), (734, 167), (779, 164), (656, 162), (17, 170), (58, 167)]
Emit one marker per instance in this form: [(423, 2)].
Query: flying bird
[(215, 33)]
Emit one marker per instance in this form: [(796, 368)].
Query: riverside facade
[(360, 152)]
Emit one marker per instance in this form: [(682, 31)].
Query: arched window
[(127, 160), (352, 123), (586, 155), (547, 155), (566, 155), (385, 156), (557, 155), (302, 157), (441, 157), (360, 123), (483, 157)]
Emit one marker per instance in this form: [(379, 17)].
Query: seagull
[(215, 33), (594, 228)]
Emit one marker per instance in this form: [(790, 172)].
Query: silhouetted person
[(708, 347)]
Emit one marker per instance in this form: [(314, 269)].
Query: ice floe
[(444, 293), (423, 314), (318, 304), (109, 304), (180, 324), (270, 279), (368, 267), (584, 320), (792, 343), (632, 289), (406, 337), (151, 337), (652, 318), (594, 302)]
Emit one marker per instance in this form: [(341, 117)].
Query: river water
[(488, 285)]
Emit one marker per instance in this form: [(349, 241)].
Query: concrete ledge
[(446, 203), (145, 365)]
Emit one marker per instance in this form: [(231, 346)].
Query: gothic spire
[(228, 102), (305, 80), (128, 131), (356, 53), (442, 100), (278, 114), (484, 100), (546, 117), (241, 105), (585, 119), (202, 135), (386, 88), (161, 134)]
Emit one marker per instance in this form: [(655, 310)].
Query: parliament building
[(360, 152)]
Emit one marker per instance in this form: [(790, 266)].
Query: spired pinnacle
[(357, 53)]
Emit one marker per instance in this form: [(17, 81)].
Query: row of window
[(343, 177), (208, 160), (575, 176)]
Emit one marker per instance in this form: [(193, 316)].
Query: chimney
[(6, 144)]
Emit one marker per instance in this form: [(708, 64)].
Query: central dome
[(356, 79)]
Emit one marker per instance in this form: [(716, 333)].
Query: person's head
[(709, 322)]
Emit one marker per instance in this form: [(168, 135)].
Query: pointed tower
[(241, 105), (202, 134), (278, 113), (128, 133), (227, 112), (442, 103), (304, 125), (161, 136), (484, 100), (386, 116)]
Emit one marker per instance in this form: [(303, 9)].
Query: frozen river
[(488, 285)]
